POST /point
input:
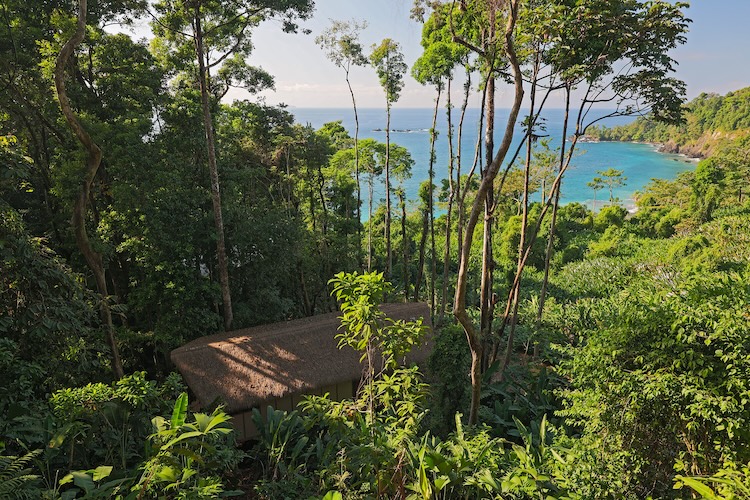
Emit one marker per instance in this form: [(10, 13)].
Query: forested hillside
[(711, 123), (575, 354)]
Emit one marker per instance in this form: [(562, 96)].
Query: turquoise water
[(410, 128)]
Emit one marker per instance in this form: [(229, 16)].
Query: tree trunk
[(93, 161), (488, 267), (556, 204), (535, 232), (459, 309), (404, 244), (388, 254), (221, 254), (516, 290), (369, 224), (451, 196), (457, 198), (461, 223), (356, 174), (431, 201), (422, 244)]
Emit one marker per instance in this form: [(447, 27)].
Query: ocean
[(410, 129)]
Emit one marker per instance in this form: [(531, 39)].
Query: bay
[(410, 129)]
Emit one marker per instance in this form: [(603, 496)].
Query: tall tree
[(81, 205), (736, 159), (435, 66), (601, 49), (491, 13), (341, 43), (612, 179), (477, 25), (401, 165), (424, 193), (530, 135), (424, 72), (596, 184), (219, 33), (390, 67), (599, 46), (553, 222), (371, 160)]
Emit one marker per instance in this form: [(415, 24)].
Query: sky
[(716, 57)]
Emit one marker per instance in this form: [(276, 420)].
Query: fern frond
[(17, 480)]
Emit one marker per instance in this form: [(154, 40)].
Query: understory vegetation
[(576, 354)]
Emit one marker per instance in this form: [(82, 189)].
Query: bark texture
[(80, 207), (221, 253)]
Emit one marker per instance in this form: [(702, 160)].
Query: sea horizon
[(640, 162)]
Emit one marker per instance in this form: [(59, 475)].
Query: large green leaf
[(180, 411), (703, 490)]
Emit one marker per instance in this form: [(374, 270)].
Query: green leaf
[(697, 486), (101, 472), (441, 482), (424, 483), (181, 437), (333, 495), (205, 423), (83, 481), (180, 411)]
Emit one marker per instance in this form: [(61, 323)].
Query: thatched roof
[(245, 368)]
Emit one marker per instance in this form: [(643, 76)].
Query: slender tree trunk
[(369, 225), (404, 244), (388, 253), (553, 222), (311, 201), (326, 270), (459, 308), (303, 291), (524, 222), (463, 193), (422, 245), (460, 197), (93, 161), (323, 204), (488, 265), (486, 302), (580, 129), (433, 252), (221, 254), (451, 196), (356, 174), (431, 201)]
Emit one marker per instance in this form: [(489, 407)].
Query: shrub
[(613, 215), (664, 372)]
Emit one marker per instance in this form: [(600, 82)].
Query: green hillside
[(145, 222), (711, 122)]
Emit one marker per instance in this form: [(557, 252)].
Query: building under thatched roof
[(278, 364)]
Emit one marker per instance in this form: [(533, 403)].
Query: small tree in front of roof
[(366, 328)]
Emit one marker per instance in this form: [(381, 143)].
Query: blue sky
[(716, 57)]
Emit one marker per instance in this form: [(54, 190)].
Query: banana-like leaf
[(180, 411)]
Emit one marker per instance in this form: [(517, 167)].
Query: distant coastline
[(640, 163), (691, 154)]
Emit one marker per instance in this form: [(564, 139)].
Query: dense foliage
[(618, 367)]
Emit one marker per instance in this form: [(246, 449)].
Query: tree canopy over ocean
[(573, 353)]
